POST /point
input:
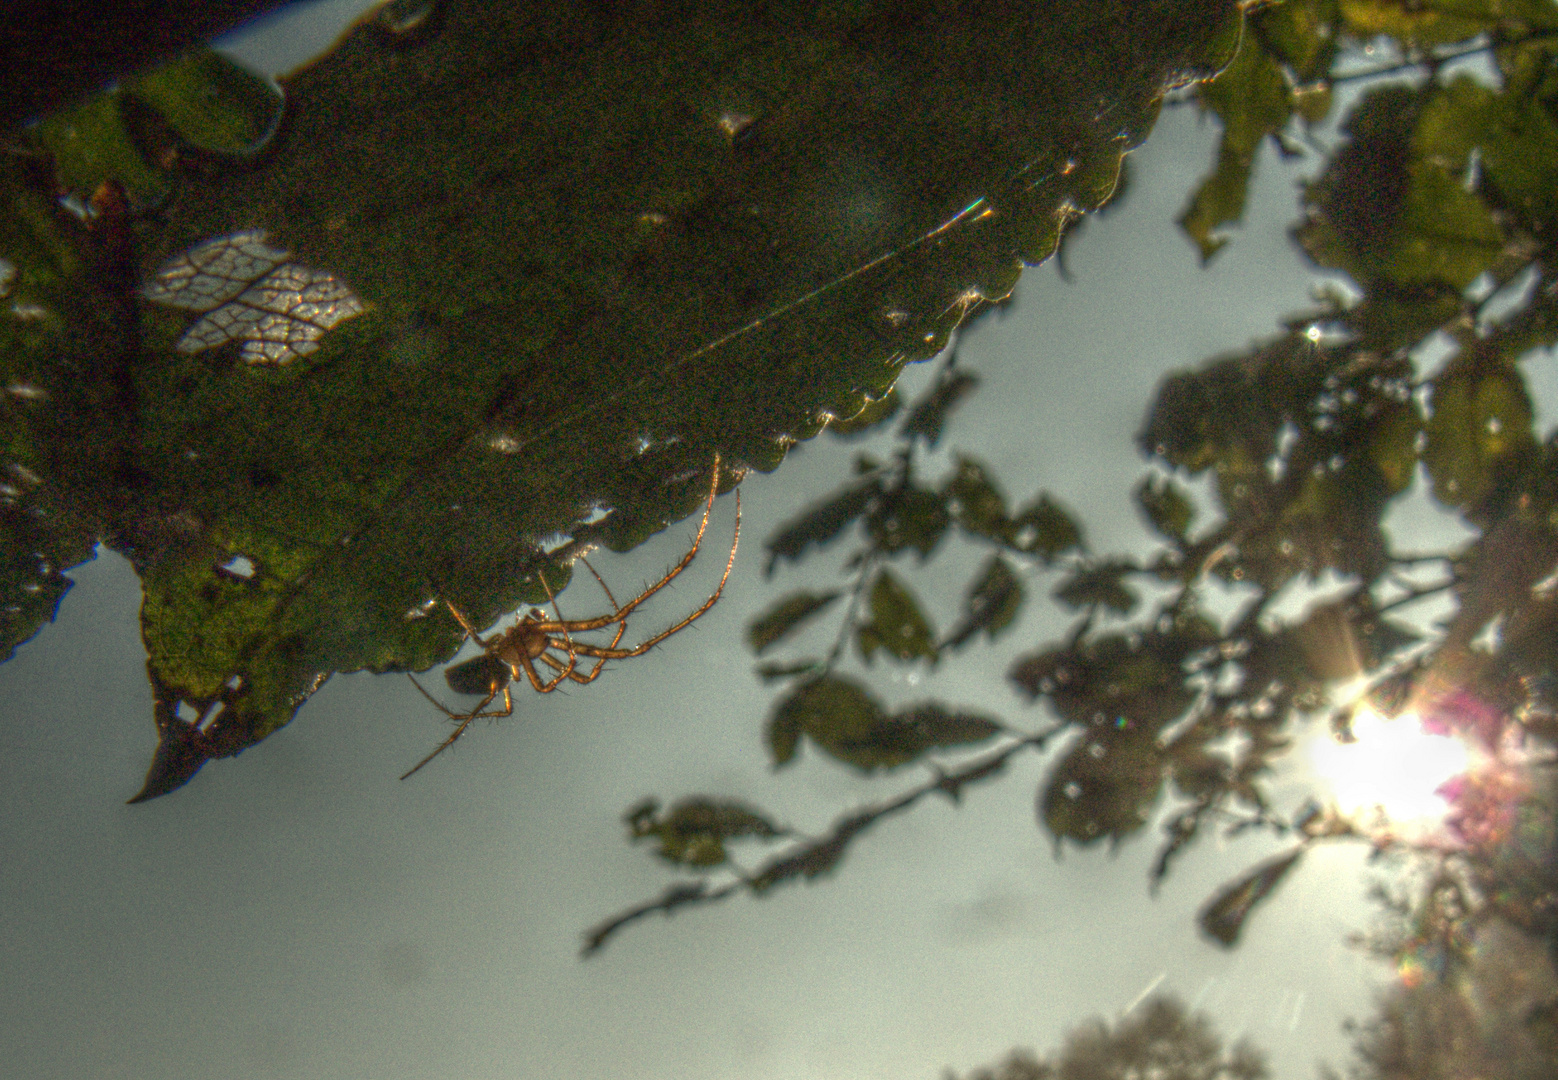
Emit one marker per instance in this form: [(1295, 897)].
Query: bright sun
[(1394, 768)]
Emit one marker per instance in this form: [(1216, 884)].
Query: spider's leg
[(557, 665), (594, 650), (641, 649), (578, 625), (464, 719), (465, 625), (604, 587), (562, 626)]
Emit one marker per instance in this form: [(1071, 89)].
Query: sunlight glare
[(1395, 768)]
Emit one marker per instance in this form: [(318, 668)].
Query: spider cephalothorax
[(535, 639)]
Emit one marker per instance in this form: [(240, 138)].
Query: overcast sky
[(300, 912)]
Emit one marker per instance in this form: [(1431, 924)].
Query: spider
[(511, 656)]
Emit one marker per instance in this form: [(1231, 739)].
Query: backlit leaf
[(1125, 683), (275, 312), (1252, 100), (1481, 425), (1225, 914)]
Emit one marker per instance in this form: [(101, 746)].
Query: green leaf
[(211, 102), (693, 833), (1513, 135), (991, 605), (872, 414), (1166, 505), (571, 299), (1386, 210), (1100, 586), (1103, 789), (1122, 682), (929, 415), (1393, 445), (773, 672), (1225, 914), (35, 550), (1301, 34), (897, 624), (1425, 25), (835, 713), (909, 733), (1480, 429), (1345, 639), (784, 617)]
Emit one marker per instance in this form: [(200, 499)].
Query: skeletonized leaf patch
[(252, 295)]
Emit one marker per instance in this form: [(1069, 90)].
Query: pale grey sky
[(300, 912)]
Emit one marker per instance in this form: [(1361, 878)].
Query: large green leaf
[(582, 274), (1480, 429)]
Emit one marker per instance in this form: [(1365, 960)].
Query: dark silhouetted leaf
[(1167, 506), (1225, 914), (772, 672), (1103, 789), (929, 415), (833, 712), (784, 617), (1125, 683), (976, 503), (929, 726), (1045, 529), (819, 524), (897, 625), (991, 605), (478, 676), (909, 518), (849, 725), (1100, 586)]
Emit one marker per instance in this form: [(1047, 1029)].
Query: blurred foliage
[(1157, 1038), (595, 245), (1494, 1014), (1438, 203)]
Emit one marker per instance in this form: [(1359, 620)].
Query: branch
[(814, 858)]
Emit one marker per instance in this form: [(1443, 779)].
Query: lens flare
[(1393, 769)]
